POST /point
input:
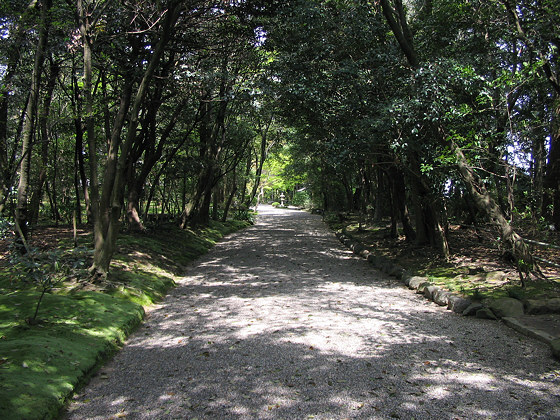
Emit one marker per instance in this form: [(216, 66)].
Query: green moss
[(426, 262), (41, 365)]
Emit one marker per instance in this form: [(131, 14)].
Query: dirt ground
[(472, 251)]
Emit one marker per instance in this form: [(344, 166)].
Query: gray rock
[(506, 307), (430, 290), (472, 309), (441, 297), (416, 281), (422, 287), (496, 276), (536, 306), (401, 273), (555, 346), (457, 304), (406, 279), (485, 313), (357, 247), (553, 305)]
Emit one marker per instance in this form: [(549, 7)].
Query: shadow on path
[(278, 321)]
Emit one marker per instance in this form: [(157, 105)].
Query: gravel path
[(279, 321)]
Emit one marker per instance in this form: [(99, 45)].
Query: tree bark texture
[(30, 119), (107, 204)]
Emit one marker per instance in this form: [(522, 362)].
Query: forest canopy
[(421, 111)]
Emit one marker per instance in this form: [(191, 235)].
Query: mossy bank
[(80, 326)]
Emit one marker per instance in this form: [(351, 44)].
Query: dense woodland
[(116, 112)]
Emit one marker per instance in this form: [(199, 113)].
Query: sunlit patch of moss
[(40, 365)]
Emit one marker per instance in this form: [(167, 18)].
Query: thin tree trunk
[(230, 196), (44, 113), (486, 203), (79, 149), (264, 147), (30, 119)]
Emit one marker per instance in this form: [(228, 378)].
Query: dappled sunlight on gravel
[(279, 321)]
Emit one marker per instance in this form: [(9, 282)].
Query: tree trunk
[(79, 148), (37, 195), (260, 161), (537, 176), (553, 168), (30, 119), (486, 203), (399, 200), (379, 210), (348, 191), (132, 209), (54, 195), (108, 204), (6, 158), (230, 196)]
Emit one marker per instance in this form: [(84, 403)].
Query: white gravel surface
[(279, 321)]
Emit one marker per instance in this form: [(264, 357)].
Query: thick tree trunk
[(132, 209), (6, 158), (429, 225), (200, 210), (349, 193), (399, 200)]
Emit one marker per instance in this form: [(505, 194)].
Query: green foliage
[(245, 215), (40, 365), (301, 199), (43, 271)]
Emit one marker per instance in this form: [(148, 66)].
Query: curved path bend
[(279, 321)]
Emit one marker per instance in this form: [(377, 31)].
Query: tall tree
[(31, 118)]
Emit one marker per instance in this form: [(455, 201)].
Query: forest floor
[(477, 267), (80, 324), (282, 321)]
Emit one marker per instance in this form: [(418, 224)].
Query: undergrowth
[(475, 269), (78, 325)]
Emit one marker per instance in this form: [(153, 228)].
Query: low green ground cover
[(80, 325), (475, 269)]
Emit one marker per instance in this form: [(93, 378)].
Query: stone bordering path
[(281, 321), (514, 313)]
